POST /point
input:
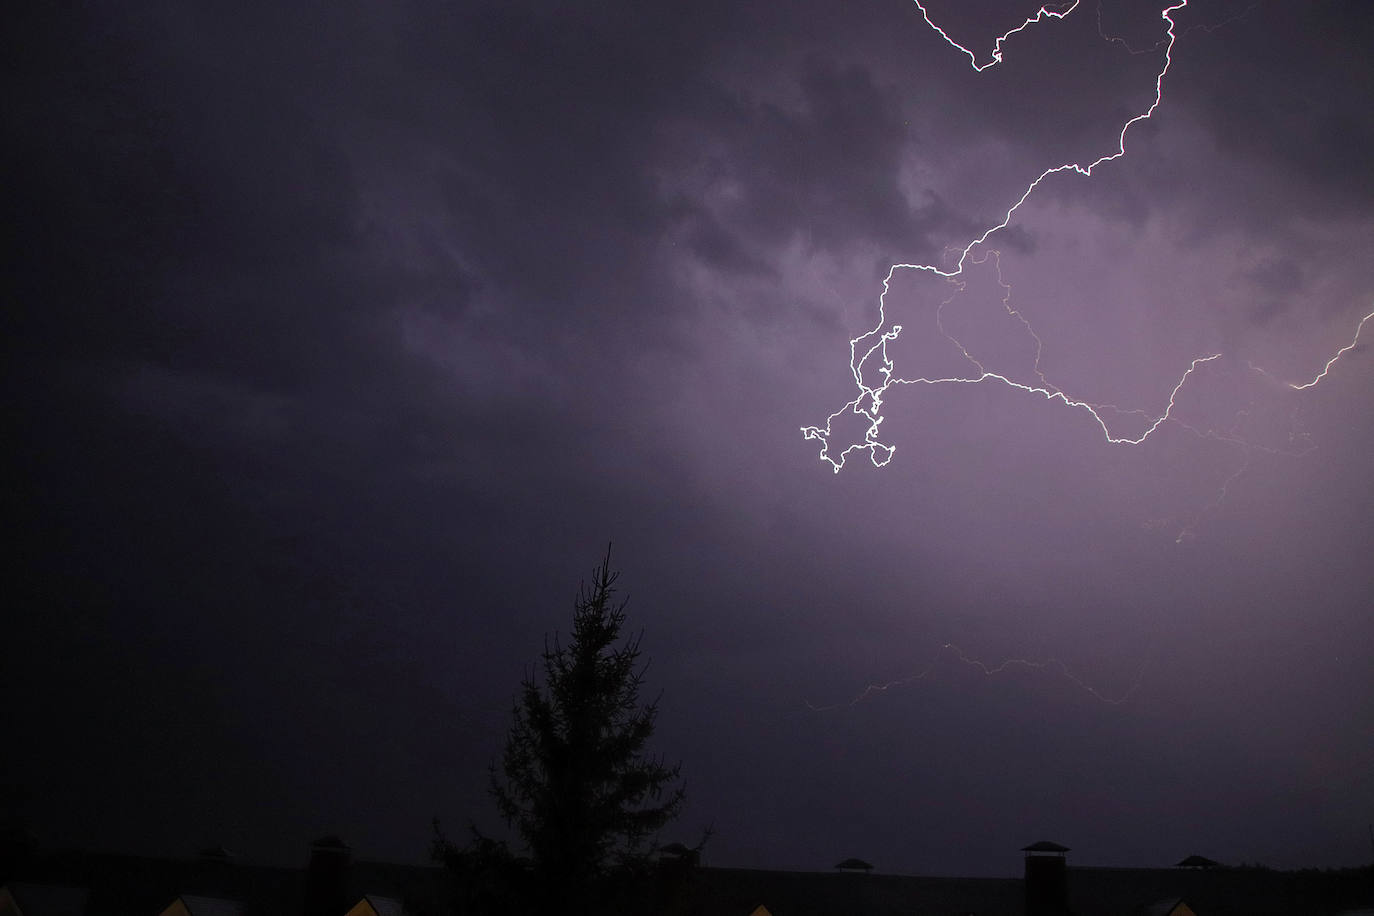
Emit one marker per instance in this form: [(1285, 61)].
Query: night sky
[(342, 337)]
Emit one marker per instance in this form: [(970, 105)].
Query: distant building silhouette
[(334, 883)]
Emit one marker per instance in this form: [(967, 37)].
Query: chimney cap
[(1198, 862), (1045, 846), (854, 865)]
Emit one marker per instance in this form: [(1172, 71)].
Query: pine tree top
[(575, 781)]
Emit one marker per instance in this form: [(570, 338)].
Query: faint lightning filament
[(1050, 664)]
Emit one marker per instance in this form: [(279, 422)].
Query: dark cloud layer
[(344, 337)]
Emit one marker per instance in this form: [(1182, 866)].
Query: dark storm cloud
[(1286, 88), (210, 328), (1276, 281), (829, 171)]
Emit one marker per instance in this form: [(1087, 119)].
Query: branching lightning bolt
[(870, 350), (1045, 12), (869, 401), (873, 344)]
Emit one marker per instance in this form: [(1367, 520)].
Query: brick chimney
[(326, 878), (1047, 879)]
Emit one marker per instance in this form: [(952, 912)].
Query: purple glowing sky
[(344, 336)]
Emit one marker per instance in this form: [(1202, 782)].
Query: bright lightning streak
[(869, 402), (1051, 664), (1332, 361), (873, 345), (1043, 13)]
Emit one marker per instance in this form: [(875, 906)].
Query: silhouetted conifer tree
[(574, 780)]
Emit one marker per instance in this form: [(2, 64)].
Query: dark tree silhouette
[(575, 781)]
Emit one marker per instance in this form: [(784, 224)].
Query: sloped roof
[(373, 905), (193, 905)]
